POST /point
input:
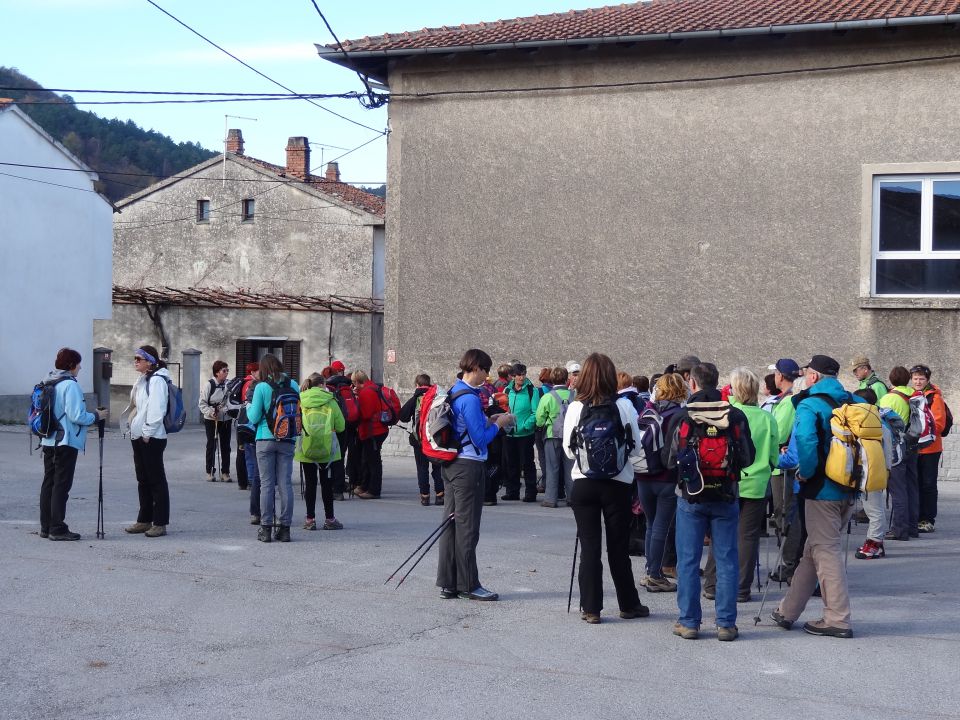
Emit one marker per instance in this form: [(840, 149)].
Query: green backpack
[(316, 443)]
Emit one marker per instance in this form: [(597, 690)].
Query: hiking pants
[(275, 461), (927, 466), (520, 459), (904, 495), (314, 473), (659, 500), (425, 471), (151, 481), (822, 562), (214, 429), (874, 505), (609, 501), (557, 470), (59, 464), (463, 481), (752, 513)]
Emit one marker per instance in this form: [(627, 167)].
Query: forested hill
[(107, 146)]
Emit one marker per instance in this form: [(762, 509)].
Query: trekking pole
[(576, 546), (100, 529), (217, 469), (448, 522), (448, 519), (766, 586)]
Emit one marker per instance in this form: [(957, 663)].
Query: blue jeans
[(253, 477), (275, 461), (693, 521), (659, 500)]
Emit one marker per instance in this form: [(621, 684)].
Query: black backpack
[(601, 444)]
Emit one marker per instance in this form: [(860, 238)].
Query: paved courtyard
[(208, 623)]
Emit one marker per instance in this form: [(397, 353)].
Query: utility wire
[(180, 92), (198, 101), (266, 77)]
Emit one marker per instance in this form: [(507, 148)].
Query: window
[(916, 235), (203, 211), (252, 349), (246, 213)]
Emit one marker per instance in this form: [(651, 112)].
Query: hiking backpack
[(246, 430), (389, 405), (706, 458), (948, 425), (557, 427), (898, 431), (234, 396), (42, 419), (855, 458), (921, 428), (601, 443), (284, 417), (318, 440), (349, 405), (650, 423), (176, 416), (437, 425)]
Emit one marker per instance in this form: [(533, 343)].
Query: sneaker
[(226, 478), (508, 496), (332, 524), (727, 634), (529, 498), (656, 585), (438, 500), (309, 524), (890, 535), (638, 611), (137, 527), (425, 499), (489, 503), (156, 531), (548, 504), (820, 627), (254, 519), (263, 534), (591, 618), (669, 571), (67, 535), (781, 575), (925, 526), (211, 477), (243, 486), (367, 496), (870, 550), (781, 620), (687, 633)]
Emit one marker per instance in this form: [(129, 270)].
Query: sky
[(131, 45)]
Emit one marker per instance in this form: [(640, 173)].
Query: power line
[(176, 92), (47, 182), (266, 77), (200, 101)]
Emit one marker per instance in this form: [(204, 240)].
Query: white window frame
[(926, 251)]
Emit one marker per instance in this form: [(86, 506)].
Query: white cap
[(573, 367)]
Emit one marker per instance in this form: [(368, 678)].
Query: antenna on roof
[(225, 134)]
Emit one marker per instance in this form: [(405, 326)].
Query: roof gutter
[(336, 55)]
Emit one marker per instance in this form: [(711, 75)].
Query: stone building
[(237, 257), (55, 258), (744, 179)]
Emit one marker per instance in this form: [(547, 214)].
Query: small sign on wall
[(391, 356)]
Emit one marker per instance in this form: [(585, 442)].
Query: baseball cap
[(786, 367), (573, 367), (824, 364), (338, 366)]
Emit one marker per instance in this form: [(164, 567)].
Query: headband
[(140, 352)]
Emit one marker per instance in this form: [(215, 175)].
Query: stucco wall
[(55, 262), (722, 217)]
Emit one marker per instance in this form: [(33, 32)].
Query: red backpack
[(389, 405), (436, 425), (349, 405)]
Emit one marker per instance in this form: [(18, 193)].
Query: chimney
[(333, 172), (298, 158), (235, 142)]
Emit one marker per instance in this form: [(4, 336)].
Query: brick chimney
[(333, 172), (298, 158), (235, 142)]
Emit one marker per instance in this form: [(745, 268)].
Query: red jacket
[(935, 400), (370, 409)]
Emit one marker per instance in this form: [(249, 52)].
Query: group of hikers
[(700, 464)]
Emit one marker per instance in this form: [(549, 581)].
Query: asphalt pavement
[(209, 623)]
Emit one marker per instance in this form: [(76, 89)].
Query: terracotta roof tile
[(652, 18)]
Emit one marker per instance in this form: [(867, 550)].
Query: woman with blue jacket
[(60, 452), (274, 457)]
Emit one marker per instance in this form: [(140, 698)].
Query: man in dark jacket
[(711, 445), (425, 469)]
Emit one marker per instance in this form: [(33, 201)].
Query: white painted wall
[(56, 248)]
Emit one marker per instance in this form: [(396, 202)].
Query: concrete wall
[(722, 218), (55, 263)]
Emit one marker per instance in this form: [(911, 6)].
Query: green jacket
[(523, 404), (763, 431), (896, 403), (875, 384), (784, 413), (548, 408)]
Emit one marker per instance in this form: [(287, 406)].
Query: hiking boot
[(744, 597), (263, 534), (548, 504), (425, 499), (438, 500), (448, 593), (243, 486), (727, 634), (489, 503), (509, 496), (309, 524), (332, 524), (529, 498), (925, 526), (156, 531), (225, 478), (282, 534), (709, 594), (781, 620), (687, 633), (66, 535), (591, 618), (638, 611), (890, 535), (137, 527), (870, 550), (656, 585), (669, 571), (211, 477), (820, 627), (338, 497), (44, 534), (368, 496), (781, 575), (254, 519)]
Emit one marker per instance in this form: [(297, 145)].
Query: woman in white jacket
[(143, 419), (602, 486)]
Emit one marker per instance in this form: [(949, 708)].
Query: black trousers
[(609, 501), (59, 464), (314, 473), (927, 466), (425, 471), (242, 478), (213, 427), (495, 467), (352, 458), (151, 481), (371, 464), (338, 472), (520, 460)]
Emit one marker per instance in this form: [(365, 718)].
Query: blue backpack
[(600, 441), (42, 419), (175, 417)]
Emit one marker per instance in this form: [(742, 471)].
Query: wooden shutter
[(246, 353), (291, 359)]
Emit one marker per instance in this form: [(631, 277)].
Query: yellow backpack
[(856, 459)]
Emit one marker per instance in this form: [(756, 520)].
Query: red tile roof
[(347, 193), (654, 18)]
